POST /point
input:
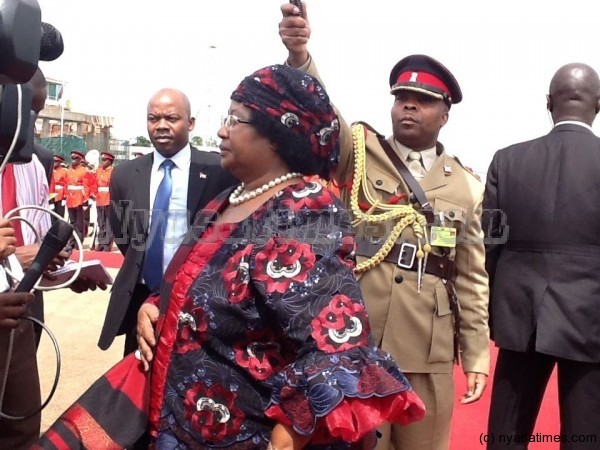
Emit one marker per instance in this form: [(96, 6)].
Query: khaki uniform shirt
[(417, 328)]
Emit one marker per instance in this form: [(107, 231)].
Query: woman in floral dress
[(260, 338)]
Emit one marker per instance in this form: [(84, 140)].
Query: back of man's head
[(574, 93)]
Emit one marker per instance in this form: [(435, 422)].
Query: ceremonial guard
[(58, 185), (103, 174), (420, 250), (78, 192)]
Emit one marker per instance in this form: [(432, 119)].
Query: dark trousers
[(520, 381), (77, 219), (59, 209), (129, 324), (22, 393), (36, 309), (104, 233)]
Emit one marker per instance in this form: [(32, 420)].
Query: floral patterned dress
[(265, 323)]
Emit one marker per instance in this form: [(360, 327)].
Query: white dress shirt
[(573, 122), (177, 223)]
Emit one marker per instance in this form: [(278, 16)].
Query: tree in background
[(199, 142), (142, 141)]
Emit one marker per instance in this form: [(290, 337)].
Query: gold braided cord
[(403, 215)]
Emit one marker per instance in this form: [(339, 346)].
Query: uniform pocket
[(455, 215), (442, 331)]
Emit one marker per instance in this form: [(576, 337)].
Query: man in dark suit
[(543, 223), (194, 179)]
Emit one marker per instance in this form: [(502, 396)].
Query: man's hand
[(294, 31), (82, 284), (476, 383), (7, 239), (147, 318), (12, 307)]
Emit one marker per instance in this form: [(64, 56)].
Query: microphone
[(52, 45), (55, 240)]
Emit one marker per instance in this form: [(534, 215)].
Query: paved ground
[(75, 320)]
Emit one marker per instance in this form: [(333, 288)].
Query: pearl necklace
[(237, 197)]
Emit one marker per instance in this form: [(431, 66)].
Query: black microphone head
[(58, 235), (52, 45)]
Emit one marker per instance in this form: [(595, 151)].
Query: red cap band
[(425, 79)]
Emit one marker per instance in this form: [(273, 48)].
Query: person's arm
[(493, 221), (473, 293), (294, 31), (319, 317)]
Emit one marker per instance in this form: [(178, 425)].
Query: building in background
[(61, 130)]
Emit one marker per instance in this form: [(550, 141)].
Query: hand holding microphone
[(55, 240)]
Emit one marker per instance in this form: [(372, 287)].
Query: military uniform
[(78, 194), (414, 321), (103, 175), (58, 185)]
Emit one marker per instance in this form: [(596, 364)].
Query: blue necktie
[(153, 262)]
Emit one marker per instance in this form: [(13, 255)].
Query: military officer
[(58, 185), (103, 174), (78, 192), (420, 252)]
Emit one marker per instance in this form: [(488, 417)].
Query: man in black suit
[(196, 178), (543, 225)]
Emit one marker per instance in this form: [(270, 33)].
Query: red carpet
[(470, 421), (111, 260)]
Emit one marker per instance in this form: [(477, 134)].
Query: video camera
[(24, 40)]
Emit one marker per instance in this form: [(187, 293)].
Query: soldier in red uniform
[(78, 192), (103, 174), (58, 185)]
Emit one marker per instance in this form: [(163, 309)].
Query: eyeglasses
[(229, 121)]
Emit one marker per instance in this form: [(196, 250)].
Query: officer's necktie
[(415, 165), (153, 261)]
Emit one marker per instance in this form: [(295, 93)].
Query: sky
[(503, 54)]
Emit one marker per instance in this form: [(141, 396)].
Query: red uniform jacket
[(103, 182), (58, 184), (78, 186)]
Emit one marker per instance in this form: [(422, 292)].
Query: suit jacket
[(543, 227), (416, 328), (130, 212)]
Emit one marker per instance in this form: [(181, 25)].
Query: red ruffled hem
[(353, 418)]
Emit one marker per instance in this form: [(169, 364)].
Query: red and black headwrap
[(297, 101)]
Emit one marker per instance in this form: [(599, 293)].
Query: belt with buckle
[(404, 255)]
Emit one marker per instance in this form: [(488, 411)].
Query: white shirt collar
[(573, 122), (180, 158), (429, 156)]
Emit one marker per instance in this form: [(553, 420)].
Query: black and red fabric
[(297, 101), (422, 73), (261, 322), (110, 415), (264, 322)]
